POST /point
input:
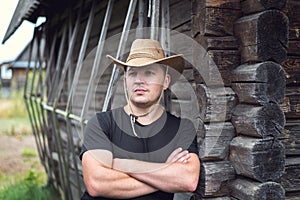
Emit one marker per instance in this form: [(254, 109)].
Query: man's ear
[(167, 81)]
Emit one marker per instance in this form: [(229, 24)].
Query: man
[(140, 151)]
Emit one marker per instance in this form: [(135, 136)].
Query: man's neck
[(145, 115)]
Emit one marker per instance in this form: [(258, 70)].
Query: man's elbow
[(93, 188), (192, 185)]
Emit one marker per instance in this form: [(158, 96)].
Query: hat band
[(141, 55)]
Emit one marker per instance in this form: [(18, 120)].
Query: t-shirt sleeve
[(95, 137)]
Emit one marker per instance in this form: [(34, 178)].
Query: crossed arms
[(126, 178)]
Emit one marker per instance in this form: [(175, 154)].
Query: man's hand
[(178, 155)]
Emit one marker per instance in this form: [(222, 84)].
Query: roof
[(24, 11)]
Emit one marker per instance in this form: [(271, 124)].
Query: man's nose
[(139, 78)]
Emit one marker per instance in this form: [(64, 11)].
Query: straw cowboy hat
[(145, 52)]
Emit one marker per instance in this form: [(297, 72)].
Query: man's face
[(145, 84)]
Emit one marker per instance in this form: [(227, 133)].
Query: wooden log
[(260, 83), (292, 69), (292, 195), (217, 43), (291, 139), (198, 197), (263, 36), (215, 104), (214, 140), (259, 159), (246, 189), (211, 17), (217, 68), (291, 103), (213, 178), (253, 6), (291, 179), (258, 121)]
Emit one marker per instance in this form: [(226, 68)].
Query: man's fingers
[(173, 155)]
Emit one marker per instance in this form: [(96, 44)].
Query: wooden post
[(259, 159), (250, 190)]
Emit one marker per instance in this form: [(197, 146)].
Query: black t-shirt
[(112, 131)]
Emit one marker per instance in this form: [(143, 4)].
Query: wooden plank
[(213, 178), (263, 36), (215, 104), (198, 197), (211, 17), (258, 121), (259, 83), (259, 159), (253, 6), (247, 189), (214, 140), (294, 47), (291, 180)]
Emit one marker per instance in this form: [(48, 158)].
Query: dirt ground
[(12, 158)]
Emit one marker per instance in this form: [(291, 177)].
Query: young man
[(140, 151)]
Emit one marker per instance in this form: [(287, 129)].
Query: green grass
[(30, 185), (28, 188)]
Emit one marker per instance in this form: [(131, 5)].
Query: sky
[(18, 41)]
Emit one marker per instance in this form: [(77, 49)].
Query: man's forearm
[(169, 177)]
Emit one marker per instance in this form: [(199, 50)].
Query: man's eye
[(149, 73)]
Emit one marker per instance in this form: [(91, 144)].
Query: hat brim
[(176, 62)]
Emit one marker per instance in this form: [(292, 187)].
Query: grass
[(27, 185)]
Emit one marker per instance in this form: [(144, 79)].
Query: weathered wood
[(258, 121), (247, 189), (252, 6), (213, 178), (214, 140), (294, 47), (292, 69), (215, 104), (292, 195), (290, 138), (291, 179), (259, 159), (211, 17), (217, 43), (259, 83), (292, 11), (198, 197), (263, 36), (291, 103)]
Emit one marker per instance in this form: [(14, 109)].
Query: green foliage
[(29, 153), (29, 189)]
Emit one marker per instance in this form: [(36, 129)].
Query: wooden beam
[(215, 104), (259, 159), (258, 121), (213, 178), (253, 6), (290, 139), (214, 140), (259, 83), (251, 190), (263, 36)]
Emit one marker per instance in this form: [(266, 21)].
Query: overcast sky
[(19, 39)]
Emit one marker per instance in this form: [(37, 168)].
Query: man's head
[(145, 52)]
